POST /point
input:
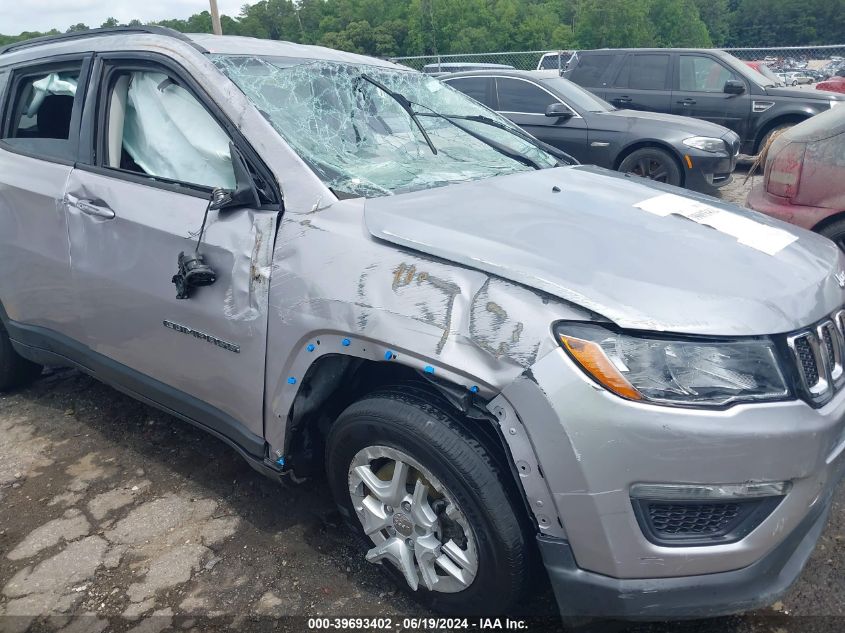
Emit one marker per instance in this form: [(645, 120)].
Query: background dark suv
[(706, 84)]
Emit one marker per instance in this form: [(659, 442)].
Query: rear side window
[(520, 96), (475, 87), (590, 69), (42, 110), (644, 72)]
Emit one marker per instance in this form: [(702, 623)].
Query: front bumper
[(581, 593), (709, 171), (592, 446)]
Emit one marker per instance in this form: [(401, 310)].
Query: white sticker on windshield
[(768, 239)]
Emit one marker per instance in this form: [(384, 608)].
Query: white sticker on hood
[(765, 238)]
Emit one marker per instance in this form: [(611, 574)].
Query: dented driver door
[(130, 215)]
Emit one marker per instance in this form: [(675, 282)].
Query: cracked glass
[(374, 131)]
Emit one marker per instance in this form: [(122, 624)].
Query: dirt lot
[(130, 520)]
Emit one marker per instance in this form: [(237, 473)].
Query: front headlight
[(674, 371), (705, 143)]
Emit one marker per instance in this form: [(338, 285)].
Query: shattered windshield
[(373, 131)]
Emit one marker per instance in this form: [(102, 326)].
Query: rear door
[(699, 91), (524, 102), (642, 82), (39, 136), (160, 147)]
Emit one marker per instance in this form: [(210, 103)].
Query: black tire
[(767, 137), (15, 371), (425, 430), (835, 231), (652, 163)]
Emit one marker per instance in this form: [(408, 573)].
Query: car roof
[(536, 75), (654, 50), (479, 65), (149, 37)]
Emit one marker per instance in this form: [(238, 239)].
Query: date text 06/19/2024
[(414, 624)]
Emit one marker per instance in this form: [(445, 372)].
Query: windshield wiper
[(404, 104), (499, 147), (486, 120)]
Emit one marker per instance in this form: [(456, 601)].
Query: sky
[(42, 15)]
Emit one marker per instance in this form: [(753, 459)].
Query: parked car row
[(706, 84), (835, 83), (673, 149), (794, 77)]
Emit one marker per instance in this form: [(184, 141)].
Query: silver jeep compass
[(495, 355)]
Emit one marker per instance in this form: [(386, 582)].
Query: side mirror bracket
[(192, 269), (244, 194)]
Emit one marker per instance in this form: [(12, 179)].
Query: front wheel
[(426, 500), (654, 164)]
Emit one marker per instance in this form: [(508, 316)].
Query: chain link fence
[(819, 59)]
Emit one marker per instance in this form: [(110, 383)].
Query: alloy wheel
[(412, 520), (650, 168)]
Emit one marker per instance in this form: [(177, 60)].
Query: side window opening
[(590, 69), (703, 74), (518, 96), (475, 87), (158, 128), (648, 72), (44, 105), (39, 115)]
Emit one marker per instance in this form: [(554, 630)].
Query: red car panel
[(834, 84), (804, 176)]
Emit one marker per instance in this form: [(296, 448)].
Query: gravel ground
[(127, 519)]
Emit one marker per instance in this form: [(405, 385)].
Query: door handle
[(687, 102), (623, 100), (89, 208)]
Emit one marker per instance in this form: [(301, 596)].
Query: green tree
[(613, 24), (676, 23), (716, 15)]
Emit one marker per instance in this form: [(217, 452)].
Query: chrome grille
[(819, 356)]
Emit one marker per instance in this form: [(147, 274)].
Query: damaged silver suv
[(497, 356)]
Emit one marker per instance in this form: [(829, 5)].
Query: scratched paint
[(453, 318)]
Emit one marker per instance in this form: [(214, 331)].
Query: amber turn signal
[(593, 360)]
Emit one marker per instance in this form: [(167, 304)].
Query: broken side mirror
[(244, 194), (192, 270), (734, 87), (559, 111)]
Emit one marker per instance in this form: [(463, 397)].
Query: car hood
[(695, 127), (575, 233), (802, 94)]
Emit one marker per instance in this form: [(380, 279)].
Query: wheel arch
[(334, 381), (655, 144), (824, 223), (782, 119)]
